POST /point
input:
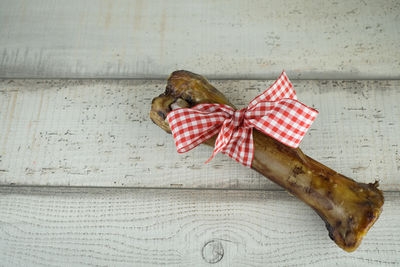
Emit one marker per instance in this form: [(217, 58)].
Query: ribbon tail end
[(209, 159), (212, 156)]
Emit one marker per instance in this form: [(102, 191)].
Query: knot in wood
[(212, 251)]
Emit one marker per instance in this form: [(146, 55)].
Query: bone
[(349, 209)]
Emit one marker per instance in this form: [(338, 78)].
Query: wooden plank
[(356, 39), (98, 133), (121, 227)]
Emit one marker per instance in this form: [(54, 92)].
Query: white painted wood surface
[(125, 227), (98, 133), (353, 39)]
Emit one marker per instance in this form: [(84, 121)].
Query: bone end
[(361, 214), (160, 107)]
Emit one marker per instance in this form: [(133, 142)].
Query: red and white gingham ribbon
[(276, 112)]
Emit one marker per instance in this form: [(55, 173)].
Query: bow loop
[(276, 112)]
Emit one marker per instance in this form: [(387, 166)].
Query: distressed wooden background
[(87, 179)]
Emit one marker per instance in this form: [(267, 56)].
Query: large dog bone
[(348, 208)]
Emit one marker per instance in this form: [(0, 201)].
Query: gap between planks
[(163, 78), (64, 187)]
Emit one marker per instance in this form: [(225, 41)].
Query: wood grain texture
[(354, 39), (98, 133), (123, 227)]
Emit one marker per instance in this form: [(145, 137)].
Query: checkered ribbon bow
[(276, 112)]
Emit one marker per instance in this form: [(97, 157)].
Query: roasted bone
[(348, 208)]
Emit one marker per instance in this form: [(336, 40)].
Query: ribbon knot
[(238, 117), (276, 112)]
